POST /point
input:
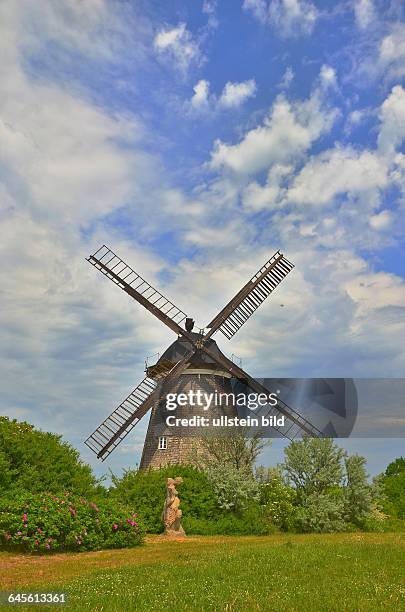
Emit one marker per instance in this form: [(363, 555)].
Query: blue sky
[(197, 138)]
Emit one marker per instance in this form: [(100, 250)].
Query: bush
[(37, 461), (393, 525), (147, 491), (376, 521), (202, 514), (322, 513), (277, 500), (252, 522), (234, 488), (44, 523)]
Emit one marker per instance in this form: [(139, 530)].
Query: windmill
[(194, 355)]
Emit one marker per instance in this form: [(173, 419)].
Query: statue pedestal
[(171, 533)]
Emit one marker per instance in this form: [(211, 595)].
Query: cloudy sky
[(197, 138)]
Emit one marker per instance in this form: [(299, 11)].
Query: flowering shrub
[(45, 522), (277, 501), (233, 488)]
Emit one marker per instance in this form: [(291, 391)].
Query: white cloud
[(392, 117), (179, 45), (232, 96), (289, 17), (382, 220), (259, 9), (287, 132), (287, 78), (256, 197), (335, 172), (357, 117), (373, 291), (364, 13), (76, 159), (328, 77), (201, 92), (235, 94), (391, 57), (209, 7)]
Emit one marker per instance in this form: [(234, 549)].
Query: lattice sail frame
[(124, 276), (122, 420), (247, 301)]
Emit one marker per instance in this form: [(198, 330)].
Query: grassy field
[(286, 572)]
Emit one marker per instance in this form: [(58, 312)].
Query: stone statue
[(171, 514)]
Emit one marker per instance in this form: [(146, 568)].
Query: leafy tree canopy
[(393, 486), (314, 465), (238, 450), (395, 468)]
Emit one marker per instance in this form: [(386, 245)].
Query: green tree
[(393, 487), (313, 465), (395, 468), (333, 493), (228, 461), (239, 450), (37, 461), (358, 494)]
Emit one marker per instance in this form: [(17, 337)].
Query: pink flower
[(36, 542), (25, 519), (115, 526), (18, 533), (39, 530), (48, 546)]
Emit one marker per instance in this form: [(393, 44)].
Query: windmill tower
[(193, 361)]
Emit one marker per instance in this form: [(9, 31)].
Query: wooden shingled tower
[(192, 361)]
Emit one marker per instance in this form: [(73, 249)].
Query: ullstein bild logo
[(225, 421)]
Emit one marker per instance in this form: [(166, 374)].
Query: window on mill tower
[(162, 443)]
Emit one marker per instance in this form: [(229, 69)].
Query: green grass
[(337, 572)]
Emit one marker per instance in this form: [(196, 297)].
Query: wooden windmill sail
[(190, 353)]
